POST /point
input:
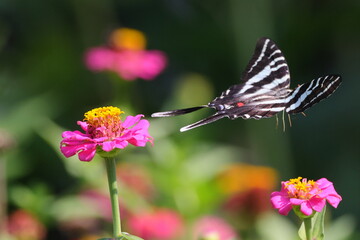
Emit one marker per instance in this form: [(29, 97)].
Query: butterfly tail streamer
[(204, 121), (177, 112)]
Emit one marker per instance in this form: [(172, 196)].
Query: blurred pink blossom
[(130, 64), (100, 201), (309, 195), (24, 226), (214, 228), (100, 59), (136, 177), (159, 224), (127, 57)]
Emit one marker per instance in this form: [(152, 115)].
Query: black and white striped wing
[(267, 67), (308, 94), (266, 82), (267, 71)]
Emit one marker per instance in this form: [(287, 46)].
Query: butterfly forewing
[(267, 68), (265, 85)]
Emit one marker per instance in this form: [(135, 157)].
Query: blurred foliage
[(45, 88)]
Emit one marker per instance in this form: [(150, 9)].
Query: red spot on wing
[(240, 104)]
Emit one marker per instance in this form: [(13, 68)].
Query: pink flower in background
[(100, 59), (309, 195), (160, 224), (136, 177), (23, 225), (100, 201), (104, 131), (127, 57), (213, 227), (131, 64)]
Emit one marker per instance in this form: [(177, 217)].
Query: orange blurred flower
[(247, 189), (242, 177)]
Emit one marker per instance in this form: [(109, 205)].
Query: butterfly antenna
[(303, 114)]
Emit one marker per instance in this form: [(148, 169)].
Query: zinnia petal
[(296, 201), (87, 155), (317, 203), (131, 120), (305, 208), (334, 200), (281, 202), (108, 146)]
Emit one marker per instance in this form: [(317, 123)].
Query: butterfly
[(264, 90)]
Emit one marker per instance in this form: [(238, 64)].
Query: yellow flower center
[(127, 38), (104, 122), (300, 187)]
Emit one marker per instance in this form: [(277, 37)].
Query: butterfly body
[(265, 90)]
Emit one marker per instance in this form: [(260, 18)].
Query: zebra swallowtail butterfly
[(265, 90)]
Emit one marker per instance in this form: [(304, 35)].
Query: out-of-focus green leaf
[(271, 226), (341, 228), (193, 89), (73, 207), (27, 115), (35, 198)]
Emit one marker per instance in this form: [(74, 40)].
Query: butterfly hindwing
[(308, 94)]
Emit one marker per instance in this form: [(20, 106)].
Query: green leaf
[(318, 225), (301, 232)]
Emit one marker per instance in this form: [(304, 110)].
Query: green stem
[(308, 230), (113, 188)]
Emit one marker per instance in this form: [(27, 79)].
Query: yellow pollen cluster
[(100, 114), (301, 186)]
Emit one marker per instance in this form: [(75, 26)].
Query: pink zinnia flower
[(160, 224), (127, 56), (132, 64), (104, 132), (213, 228), (309, 195)]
